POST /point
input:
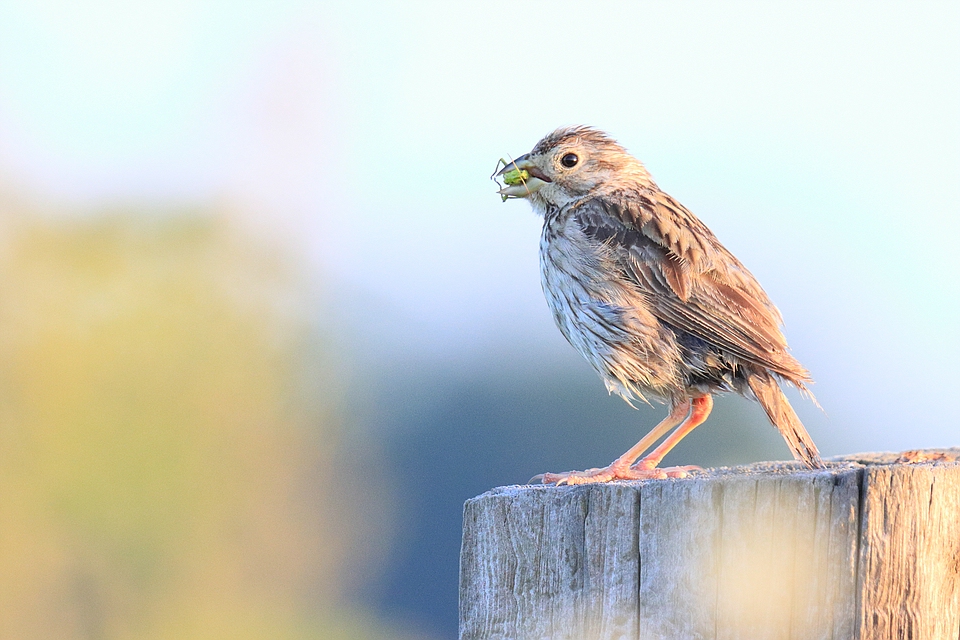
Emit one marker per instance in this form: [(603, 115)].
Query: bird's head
[(570, 163)]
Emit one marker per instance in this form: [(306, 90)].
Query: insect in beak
[(512, 176), (521, 177)]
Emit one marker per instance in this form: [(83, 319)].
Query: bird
[(648, 295)]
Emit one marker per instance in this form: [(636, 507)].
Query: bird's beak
[(523, 178)]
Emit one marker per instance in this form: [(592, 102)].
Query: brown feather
[(693, 291), (785, 419)]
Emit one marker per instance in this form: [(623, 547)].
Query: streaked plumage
[(648, 295)]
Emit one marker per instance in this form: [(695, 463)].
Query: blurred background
[(265, 325)]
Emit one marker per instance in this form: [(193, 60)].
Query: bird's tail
[(783, 417)]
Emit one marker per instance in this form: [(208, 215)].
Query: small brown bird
[(648, 295)]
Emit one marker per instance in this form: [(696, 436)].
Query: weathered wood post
[(868, 548)]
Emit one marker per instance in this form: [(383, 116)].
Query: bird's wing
[(690, 281)]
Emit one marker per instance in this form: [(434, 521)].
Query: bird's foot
[(615, 471), (670, 472)]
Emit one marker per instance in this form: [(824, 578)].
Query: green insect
[(511, 178), (516, 176)]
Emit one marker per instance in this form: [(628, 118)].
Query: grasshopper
[(512, 177)]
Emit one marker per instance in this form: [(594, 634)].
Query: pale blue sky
[(820, 141)]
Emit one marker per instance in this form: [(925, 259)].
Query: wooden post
[(868, 548)]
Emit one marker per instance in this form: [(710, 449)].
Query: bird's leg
[(620, 469), (701, 409)]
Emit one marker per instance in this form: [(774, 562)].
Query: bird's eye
[(570, 160)]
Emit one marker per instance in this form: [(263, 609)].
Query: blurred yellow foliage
[(168, 435)]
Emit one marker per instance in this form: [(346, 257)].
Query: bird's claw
[(639, 471), (574, 477), (668, 472)]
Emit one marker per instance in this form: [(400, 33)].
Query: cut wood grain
[(867, 548), (909, 585)]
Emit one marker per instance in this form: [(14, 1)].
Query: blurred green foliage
[(169, 436)]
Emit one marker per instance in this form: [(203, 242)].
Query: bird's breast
[(605, 319), (573, 280)]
